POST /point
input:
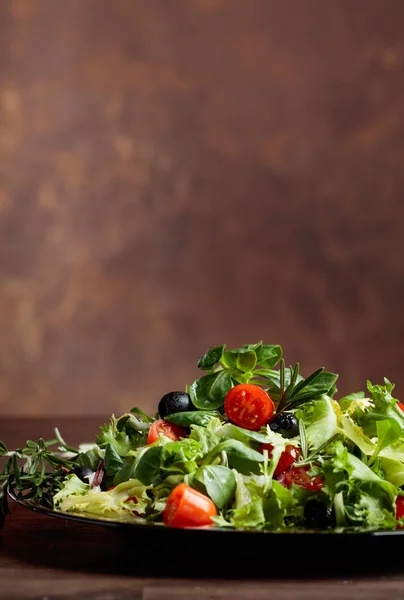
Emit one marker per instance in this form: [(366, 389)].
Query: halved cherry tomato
[(161, 427), (299, 476), (188, 508), (400, 510), (288, 457), (400, 405), (248, 406)]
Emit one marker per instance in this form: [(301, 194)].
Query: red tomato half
[(400, 510), (161, 427), (400, 405), (188, 508), (288, 457), (299, 476), (248, 406)]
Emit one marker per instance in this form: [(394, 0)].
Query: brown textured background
[(179, 173)]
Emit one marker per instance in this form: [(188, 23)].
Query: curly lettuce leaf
[(127, 501), (124, 435), (382, 406), (368, 500), (249, 507)]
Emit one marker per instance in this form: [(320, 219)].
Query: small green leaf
[(3, 448), (209, 392), (241, 457), (242, 360), (112, 461), (126, 472), (194, 417), (148, 468), (219, 483), (321, 384), (211, 357), (308, 381), (140, 413), (268, 356), (243, 435), (388, 432)]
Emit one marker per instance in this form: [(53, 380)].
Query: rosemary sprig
[(298, 390), (27, 469), (309, 459), (303, 439)]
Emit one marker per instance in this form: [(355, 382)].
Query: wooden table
[(45, 558)]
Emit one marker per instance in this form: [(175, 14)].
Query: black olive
[(174, 402), (318, 516), (83, 473), (286, 424)]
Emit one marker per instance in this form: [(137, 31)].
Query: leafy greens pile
[(355, 446)]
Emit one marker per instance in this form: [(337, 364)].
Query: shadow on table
[(58, 543)]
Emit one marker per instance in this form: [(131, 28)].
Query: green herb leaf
[(148, 468), (112, 461), (209, 392), (322, 383), (211, 357), (126, 472), (3, 449), (241, 457), (241, 360), (219, 483), (140, 413), (268, 356), (303, 439), (194, 417)]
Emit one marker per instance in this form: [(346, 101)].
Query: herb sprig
[(256, 363), (27, 469)]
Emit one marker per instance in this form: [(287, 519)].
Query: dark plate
[(217, 550)]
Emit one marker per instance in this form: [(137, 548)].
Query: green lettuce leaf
[(119, 503), (249, 507), (383, 406), (279, 505), (320, 421), (393, 471), (217, 481)]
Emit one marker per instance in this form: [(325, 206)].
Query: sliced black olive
[(318, 516), (286, 424), (83, 473), (174, 402)]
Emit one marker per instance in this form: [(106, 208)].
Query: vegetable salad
[(251, 444)]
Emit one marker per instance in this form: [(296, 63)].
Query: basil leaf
[(211, 357), (219, 483), (3, 448), (112, 461), (241, 457), (268, 356), (148, 468), (208, 392), (242, 360), (126, 472), (194, 417)]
